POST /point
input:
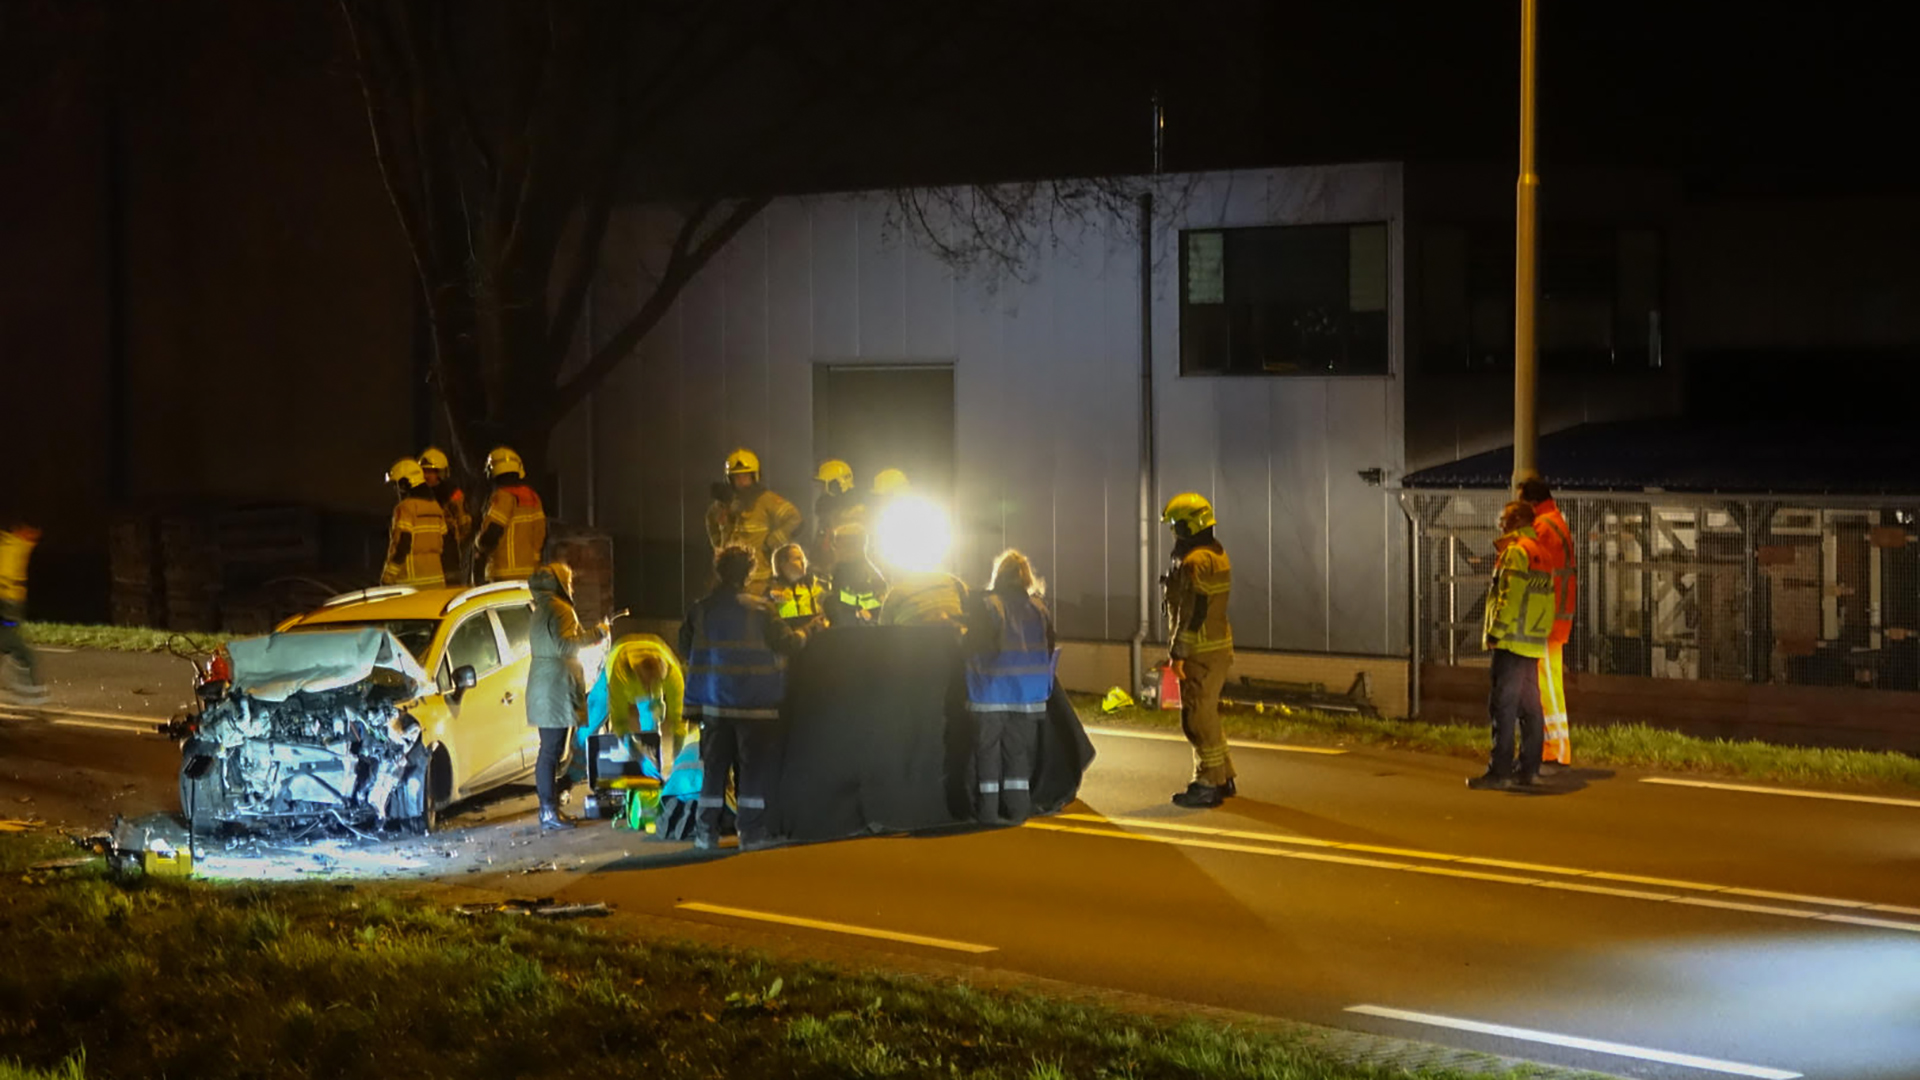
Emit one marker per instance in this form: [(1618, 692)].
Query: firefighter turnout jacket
[(760, 521), (1009, 654), (736, 649), (515, 510), (1519, 615), (416, 544), (925, 598), (15, 549), (1556, 545), (1196, 592)]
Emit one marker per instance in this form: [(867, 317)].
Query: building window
[(1284, 300)]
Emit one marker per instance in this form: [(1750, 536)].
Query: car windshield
[(415, 634)]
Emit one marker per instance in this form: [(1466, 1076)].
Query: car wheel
[(203, 799)]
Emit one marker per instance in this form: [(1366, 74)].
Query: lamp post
[(1526, 251)]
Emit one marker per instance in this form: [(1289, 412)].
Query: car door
[(516, 621), (485, 720)]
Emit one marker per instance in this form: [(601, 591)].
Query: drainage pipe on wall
[(1413, 605), (1137, 661)]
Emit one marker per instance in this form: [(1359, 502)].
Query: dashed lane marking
[(1798, 793), (1723, 897), (1243, 744), (1575, 1042), (836, 927)]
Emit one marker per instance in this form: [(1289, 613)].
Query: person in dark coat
[(556, 684)]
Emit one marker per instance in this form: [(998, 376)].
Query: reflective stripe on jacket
[(419, 520), (1519, 612), (523, 532), (1556, 542), (15, 550), (734, 643), (1013, 671), (1197, 590)]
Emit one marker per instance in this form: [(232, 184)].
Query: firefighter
[(796, 592), (888, 485), (1556, 542), (836, 505), (1009, 647), (514, 531), (856, 591), (556, 684), (736, 647), (924, 598), (453, 506), (417, 539), (746, 513), (1196, 588), (22, 674), (1519, 620)]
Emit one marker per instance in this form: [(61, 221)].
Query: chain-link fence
[(1797, 591)]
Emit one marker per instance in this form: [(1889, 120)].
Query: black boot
[(1199, 796), (1491, 781), (551, 821)]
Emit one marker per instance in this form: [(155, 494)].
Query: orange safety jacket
[(1556, 546)]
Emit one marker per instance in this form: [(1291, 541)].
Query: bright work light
[(913, 534)]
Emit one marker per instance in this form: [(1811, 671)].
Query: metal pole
[(1526, 427), (1136, 659)]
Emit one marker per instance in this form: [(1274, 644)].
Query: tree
[(509, 131)]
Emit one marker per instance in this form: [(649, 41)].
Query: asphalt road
[(1634, 928)]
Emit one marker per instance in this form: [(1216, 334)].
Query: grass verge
[(1629, 745), (112, 638), (168, 978)]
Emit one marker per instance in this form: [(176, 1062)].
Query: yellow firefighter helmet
[(434, 458), (743, 460), (406, 471), (836, 474), (1188, 512), (504, 460), (889, 482)]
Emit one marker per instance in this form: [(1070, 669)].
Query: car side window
[(515, 623), (473, 644)]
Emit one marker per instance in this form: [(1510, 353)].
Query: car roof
[(398, 602)]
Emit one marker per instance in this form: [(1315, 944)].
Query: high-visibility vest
[(1519, 609), (925, 598), (1019, 677), (657, 709), (523, 532), (1206, 572), (797, 601), (1556, 542), (732, 670), (419, 518), (15, 550)]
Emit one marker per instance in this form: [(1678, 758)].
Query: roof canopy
[(1674, 455)]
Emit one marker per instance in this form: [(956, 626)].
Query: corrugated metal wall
[(1047, 403)]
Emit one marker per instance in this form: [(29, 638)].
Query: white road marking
[(1244, 744), (1535, 876), (838, 928), (132, 718), (1575, 1042), (1798, 793), (51, 649), (123, 729)]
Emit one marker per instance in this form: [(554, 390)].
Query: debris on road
[(544, 908)]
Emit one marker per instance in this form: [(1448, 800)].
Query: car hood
[(277, 666)]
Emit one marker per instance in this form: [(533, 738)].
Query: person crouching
[(736, 646), (1009, 645)]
